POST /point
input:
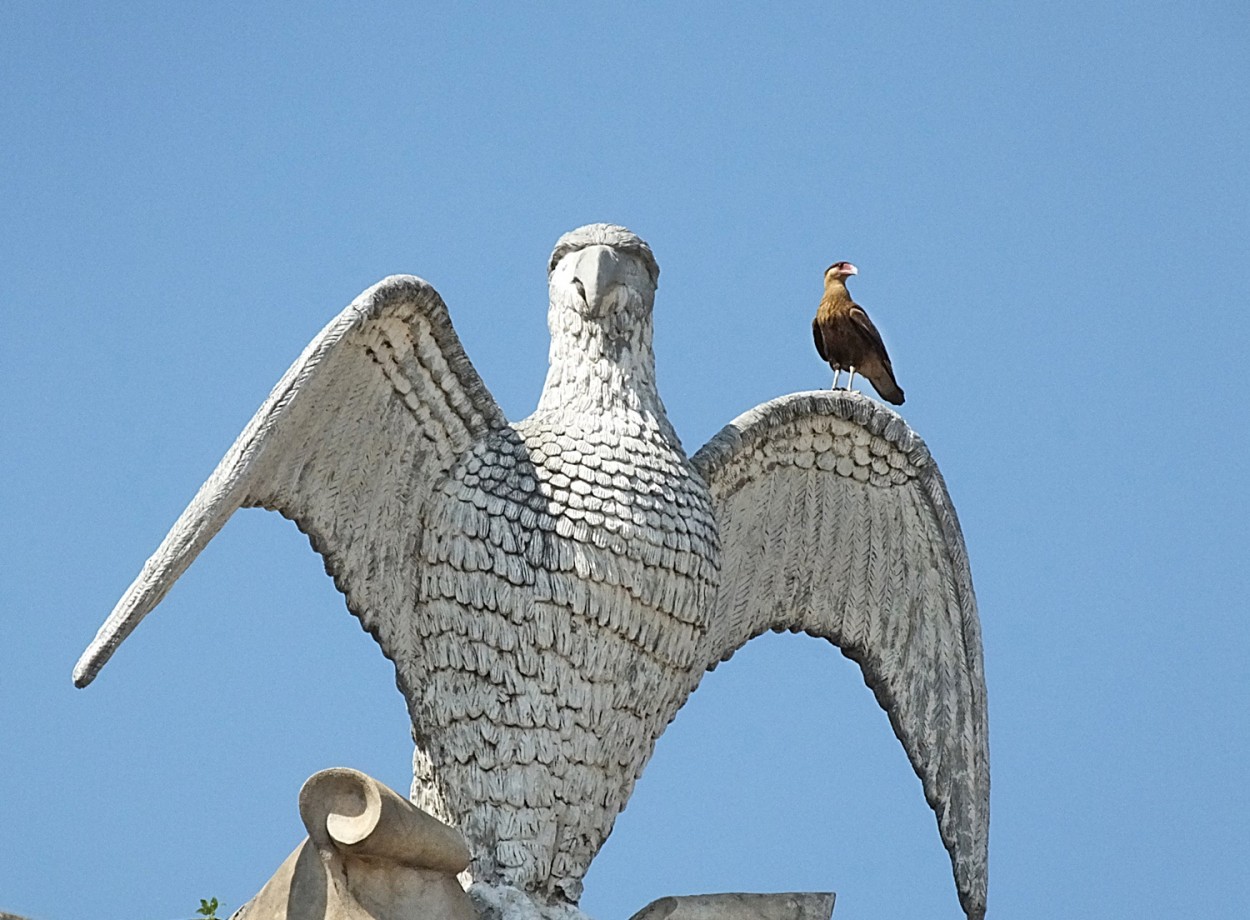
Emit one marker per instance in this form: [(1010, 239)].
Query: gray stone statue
[(551, 591)]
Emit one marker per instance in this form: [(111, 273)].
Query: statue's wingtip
[(86, 670)]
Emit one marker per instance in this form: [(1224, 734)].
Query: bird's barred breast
[(567, 582)]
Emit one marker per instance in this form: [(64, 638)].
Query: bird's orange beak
[(848, 269)]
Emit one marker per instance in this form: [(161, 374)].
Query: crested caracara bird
[(847, 339)]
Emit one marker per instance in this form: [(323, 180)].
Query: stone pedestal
[(373, 855), (805, 905)]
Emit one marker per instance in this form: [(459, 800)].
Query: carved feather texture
[(348, 445), (835, 521), (553, 653)]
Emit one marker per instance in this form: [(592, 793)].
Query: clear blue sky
[(1049, 205)]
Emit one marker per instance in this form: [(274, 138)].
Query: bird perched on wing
[(551, 590), (847, 339)]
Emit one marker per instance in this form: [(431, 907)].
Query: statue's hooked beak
[(596, 270)]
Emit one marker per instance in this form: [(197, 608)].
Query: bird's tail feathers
[(893, 393)]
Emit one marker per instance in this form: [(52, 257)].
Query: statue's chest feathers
[(595, 520)]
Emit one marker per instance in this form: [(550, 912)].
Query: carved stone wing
[(348, 445), (835, 521)]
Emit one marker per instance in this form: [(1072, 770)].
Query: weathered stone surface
[(741, 906), (503, 902)]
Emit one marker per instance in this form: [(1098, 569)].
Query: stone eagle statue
[(551, 590)]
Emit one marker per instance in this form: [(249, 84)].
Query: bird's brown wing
[(863, 325), (835, 521), (819, 335), (349, 445), (875, 363)]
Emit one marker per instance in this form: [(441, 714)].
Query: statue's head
[(602, 269)]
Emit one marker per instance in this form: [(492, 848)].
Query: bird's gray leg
[(837, 372), (851, 383)]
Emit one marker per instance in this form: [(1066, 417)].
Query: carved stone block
[(370, 855)]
